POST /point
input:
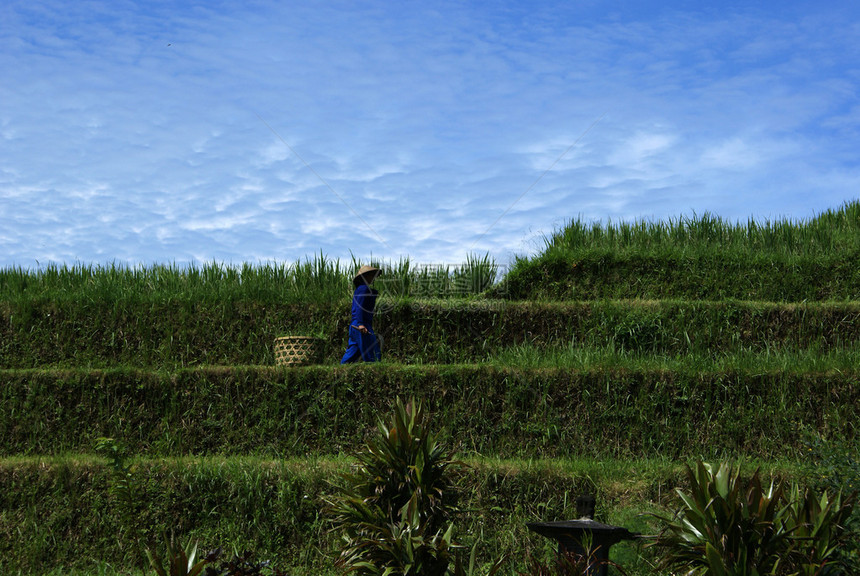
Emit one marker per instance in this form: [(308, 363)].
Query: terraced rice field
[(595, 366)]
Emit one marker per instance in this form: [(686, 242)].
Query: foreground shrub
[(836, 467), (395, 510), (179, 561), (727, 527)]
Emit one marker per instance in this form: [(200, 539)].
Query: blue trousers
[(362, 347)]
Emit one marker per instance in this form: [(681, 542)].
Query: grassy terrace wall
[(168, 334), (590, 274), (601, 413), (60, 511)]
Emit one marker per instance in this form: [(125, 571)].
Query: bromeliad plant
[(836, 467), (395, 509), (727, 527), (819, 535), (179, 561)]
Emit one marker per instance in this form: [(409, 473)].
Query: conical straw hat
[(368, 272)]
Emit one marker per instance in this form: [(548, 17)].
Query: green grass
[(604, 363), (316, 280), (177, 333), (697, 258), (611, 412), (829, 232), (571, 356), (59, 511)]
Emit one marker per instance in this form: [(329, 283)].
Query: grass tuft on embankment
[(698, 257)]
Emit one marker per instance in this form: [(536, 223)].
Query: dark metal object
[(571, 535), (585, 506)]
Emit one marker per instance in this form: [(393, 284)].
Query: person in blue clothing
[(363, 343)]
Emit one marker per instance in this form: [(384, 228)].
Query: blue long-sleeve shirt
[(363, 303), (362, 346)]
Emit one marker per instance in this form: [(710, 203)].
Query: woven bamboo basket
[(297, 350)]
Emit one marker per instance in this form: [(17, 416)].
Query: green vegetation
[(178, 561), (698, 258), (135, 401), (396, 509), (63, 511), (726, 527), (315, 281), (175, 334), (830, 232), (285, 412)]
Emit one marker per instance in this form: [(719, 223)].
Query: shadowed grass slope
[(600, 412)]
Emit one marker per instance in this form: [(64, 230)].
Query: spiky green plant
[(818, 532), (730, 527), (476, 275), (180, 561), (835, 466), (724, 526), (395, 508)]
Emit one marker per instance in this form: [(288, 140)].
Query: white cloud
[(732, 154), (429, 121), (642, 150)]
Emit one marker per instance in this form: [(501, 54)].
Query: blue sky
[(176, 132)]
